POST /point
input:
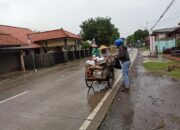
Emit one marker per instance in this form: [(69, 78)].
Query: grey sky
[(127, 15)]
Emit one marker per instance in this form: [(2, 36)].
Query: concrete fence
[(50, 59)]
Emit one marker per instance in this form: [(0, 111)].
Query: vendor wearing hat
[(104, 51), (95, 51)]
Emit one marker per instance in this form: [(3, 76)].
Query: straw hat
[(103, 47)]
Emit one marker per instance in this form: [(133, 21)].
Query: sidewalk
[(152, 104)]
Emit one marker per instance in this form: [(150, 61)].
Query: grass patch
[(162, 68), (175, 74)]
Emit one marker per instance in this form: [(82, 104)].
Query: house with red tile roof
[(18, 45), (10, 58), (13, 42), (21, 34), (7, 40), (18, 32), (56, 40)]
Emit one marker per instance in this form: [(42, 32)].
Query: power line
[(168, 7)]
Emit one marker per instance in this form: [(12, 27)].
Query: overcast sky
[(127, 15)]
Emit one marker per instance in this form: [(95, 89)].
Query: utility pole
[(147, 25)]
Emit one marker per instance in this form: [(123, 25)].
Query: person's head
[(94, 46), (119, 42)]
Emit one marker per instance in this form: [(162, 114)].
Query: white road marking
[(93, 114), (14, 97)]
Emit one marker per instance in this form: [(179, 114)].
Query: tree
[(101, 29), (85, 45), (130, 39), (140, 34), (146, 33)]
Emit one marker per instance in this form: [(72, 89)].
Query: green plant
[(178, 43), (162, 68), (85, 45)]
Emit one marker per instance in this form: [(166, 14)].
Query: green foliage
[(130, 39), (156, 66), (161, 68), (85, 45), (101, 29), (146, 33), (178, 43), (138, 35)]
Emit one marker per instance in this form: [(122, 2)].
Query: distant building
[(164, 38), (14, 42), (56, 40)]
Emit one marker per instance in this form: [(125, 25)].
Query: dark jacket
[(123, 54)]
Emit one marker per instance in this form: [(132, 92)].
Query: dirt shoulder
[(152, 104)]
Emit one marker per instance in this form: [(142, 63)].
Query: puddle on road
[(152, 104), (95, 94), (160, 58)]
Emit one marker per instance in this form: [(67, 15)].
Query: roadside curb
[(95, 118)]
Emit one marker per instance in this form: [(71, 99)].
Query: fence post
[(22, 61)]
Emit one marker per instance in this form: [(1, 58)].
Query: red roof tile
[(17, 32), (71, 35), (54, 34), (8, 40)]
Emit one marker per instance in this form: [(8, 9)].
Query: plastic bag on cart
[(97, 73), (100, 73)]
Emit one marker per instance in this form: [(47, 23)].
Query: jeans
[(125, 73)]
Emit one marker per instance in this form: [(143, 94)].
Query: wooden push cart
[(106, 73)]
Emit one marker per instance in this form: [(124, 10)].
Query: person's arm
[(98, 51)]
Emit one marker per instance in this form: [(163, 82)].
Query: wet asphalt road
[(57, 99), (51, 99), (48, 100), (152, 104)]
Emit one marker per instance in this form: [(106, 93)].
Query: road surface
[(152, 104), (51, 99)]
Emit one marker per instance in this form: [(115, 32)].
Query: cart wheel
[(89, 83), (111, 78)]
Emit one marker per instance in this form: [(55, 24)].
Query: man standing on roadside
[(123, 57)]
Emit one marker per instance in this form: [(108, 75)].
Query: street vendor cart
[(102, 71)]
